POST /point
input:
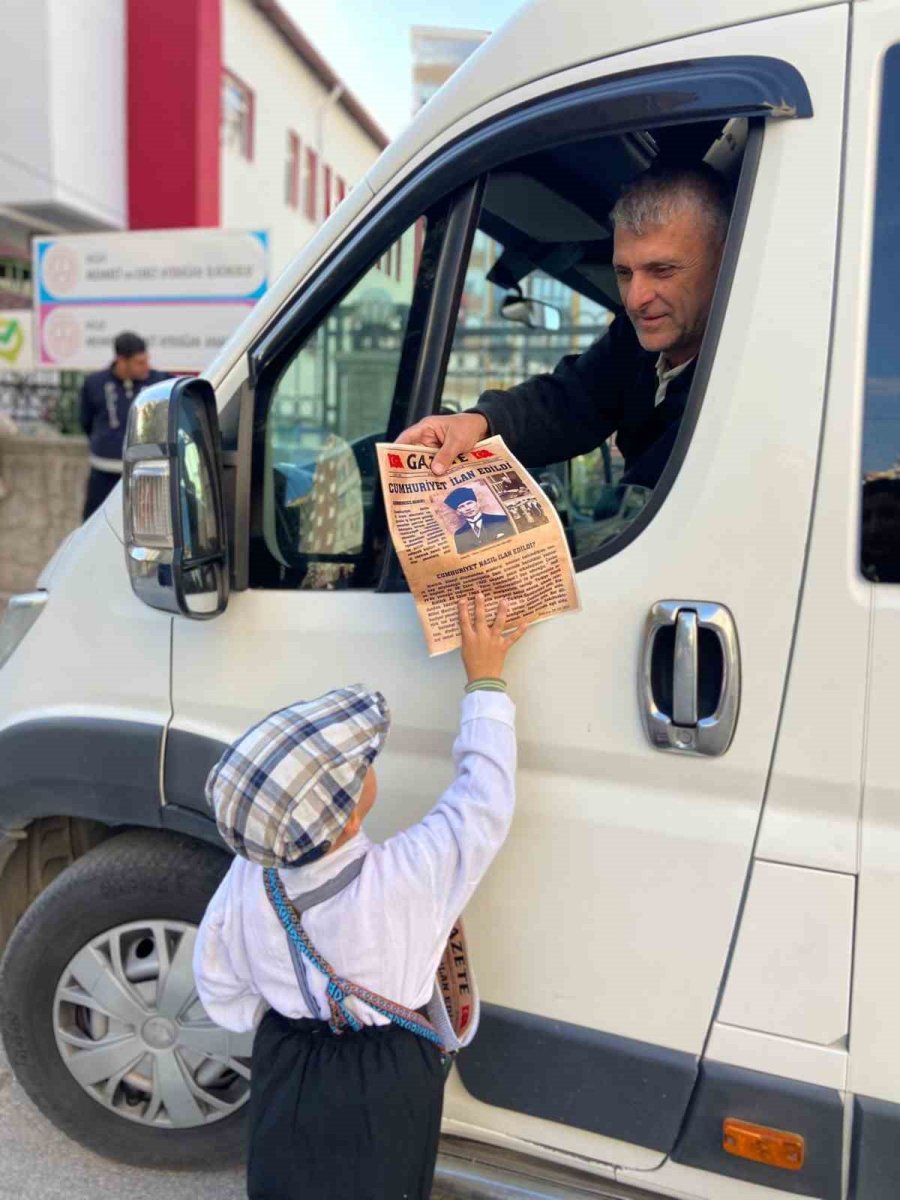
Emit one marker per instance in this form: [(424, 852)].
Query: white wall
[(62, 137), (287, 96), (25, 128), (88, 106)]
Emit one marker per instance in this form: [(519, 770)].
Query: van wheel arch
[(44, 848)]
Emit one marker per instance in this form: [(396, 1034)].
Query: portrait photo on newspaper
[(485, 525)]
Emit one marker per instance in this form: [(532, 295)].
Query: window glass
[(292, 171), (310, 185), (880, 543), (330, 405), (491, 352), (237, 115)]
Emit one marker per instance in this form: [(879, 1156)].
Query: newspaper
[(483, 526)]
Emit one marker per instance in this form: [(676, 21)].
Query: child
[(346, 1092)]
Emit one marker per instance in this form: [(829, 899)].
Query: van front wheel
[(100, 1015)]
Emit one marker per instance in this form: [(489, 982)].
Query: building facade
[(291, 130), (436, 53), (153, 114), (62, 140)]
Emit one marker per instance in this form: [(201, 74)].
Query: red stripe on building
[(174, 73)]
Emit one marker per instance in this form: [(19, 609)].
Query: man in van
[(670, 226), (105, 400)]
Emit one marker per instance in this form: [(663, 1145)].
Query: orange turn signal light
[(774, 1147)]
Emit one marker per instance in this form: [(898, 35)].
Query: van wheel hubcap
[(133, 1033)]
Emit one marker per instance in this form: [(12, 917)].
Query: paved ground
[(37, 1162)]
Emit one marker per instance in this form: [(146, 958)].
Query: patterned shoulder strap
[(312, 899), (338, 988)]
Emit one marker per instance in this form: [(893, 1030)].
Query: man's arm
[(553, 417), (548, 418)]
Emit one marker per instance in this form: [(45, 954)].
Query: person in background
[(105, 400)]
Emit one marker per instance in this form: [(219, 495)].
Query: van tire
[(134, 876)]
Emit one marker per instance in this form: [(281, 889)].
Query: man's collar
[(665, 373)]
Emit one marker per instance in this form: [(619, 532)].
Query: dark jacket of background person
[(105, 401), (610, 388)]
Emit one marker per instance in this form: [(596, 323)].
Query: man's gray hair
[(663, 193)]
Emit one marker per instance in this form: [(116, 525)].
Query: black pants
[(355, 1117), (99, 485)]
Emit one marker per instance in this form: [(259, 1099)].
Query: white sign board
[(16, 344), (183, 290)]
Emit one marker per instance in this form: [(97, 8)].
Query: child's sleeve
[(221, 970), (448, 852)]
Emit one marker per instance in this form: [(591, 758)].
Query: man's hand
[(450, 435), (484, 646)]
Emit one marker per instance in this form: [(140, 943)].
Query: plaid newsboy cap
[(283, 792)]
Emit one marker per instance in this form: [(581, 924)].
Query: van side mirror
[(536, 314), (176, 540)]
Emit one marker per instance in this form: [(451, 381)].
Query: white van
[(688, 949)]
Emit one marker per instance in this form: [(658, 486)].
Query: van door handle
[(690, 677), (684, 669)]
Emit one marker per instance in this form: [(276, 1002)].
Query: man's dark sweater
[(105, 401), (610, 388)]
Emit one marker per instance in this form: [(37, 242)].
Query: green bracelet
[(488, 684)]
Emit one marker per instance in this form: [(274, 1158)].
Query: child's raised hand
[(484, 646)]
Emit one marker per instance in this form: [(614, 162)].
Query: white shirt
[(664, 377), (387, 930)]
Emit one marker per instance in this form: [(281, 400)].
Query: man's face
[(666, 278), (470, 509), (137, 366)]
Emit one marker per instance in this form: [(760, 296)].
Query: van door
[(602, 933)]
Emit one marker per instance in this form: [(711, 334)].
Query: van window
[(541, 290), (330, 405), (880, 540)]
